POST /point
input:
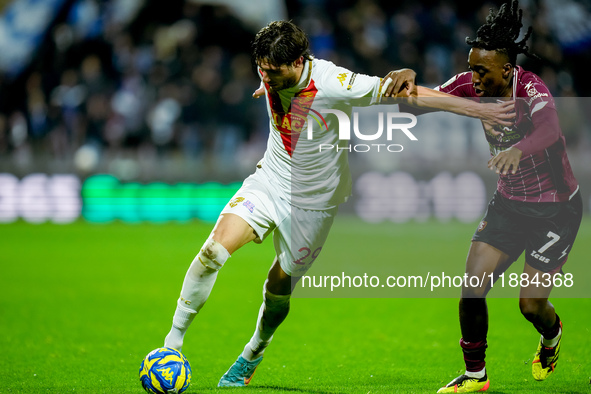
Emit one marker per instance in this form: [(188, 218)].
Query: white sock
[(197, 286), (479, 374), (259, 340), (180, 323), (195, 292), (553, 341), (272, 313)]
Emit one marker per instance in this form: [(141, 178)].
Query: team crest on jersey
[(482, 225), (249, 205), (236, 201)]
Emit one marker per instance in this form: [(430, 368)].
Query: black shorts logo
[(482, 225)]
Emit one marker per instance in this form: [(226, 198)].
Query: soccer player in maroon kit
[(537, 207)]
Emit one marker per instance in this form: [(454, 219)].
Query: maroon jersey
[(544, 173)]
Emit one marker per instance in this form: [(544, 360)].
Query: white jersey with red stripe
[(296, 167)]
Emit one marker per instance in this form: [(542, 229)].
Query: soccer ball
[(165, 370)]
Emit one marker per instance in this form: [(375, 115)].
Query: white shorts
[(298, 234)]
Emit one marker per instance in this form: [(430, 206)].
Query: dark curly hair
[(500, 33), (280, 42)]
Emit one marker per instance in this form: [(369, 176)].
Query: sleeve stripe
[(538, 107), (351, 81), (459, 86)]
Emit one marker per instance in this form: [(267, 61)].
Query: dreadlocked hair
[(501, 31)]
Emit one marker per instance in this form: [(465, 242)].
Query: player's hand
[(502, 114), (490, 128), (259, 92), (505, 161), (400, 83)]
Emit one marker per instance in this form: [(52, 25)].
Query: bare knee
[(484, 263), (469, 293), (531, 308), (233, 232)]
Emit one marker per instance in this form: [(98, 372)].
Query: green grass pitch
[(82, 304)]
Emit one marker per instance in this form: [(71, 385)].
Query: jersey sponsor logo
[(497, 143), (482, 225), (249, 205), (235, 201), (508, 135), (290, 123), (342, 77)]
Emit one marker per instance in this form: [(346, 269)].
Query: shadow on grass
[(297, 390), (275, 389)]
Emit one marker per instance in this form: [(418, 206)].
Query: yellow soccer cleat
[(545, 360), (466, 384)]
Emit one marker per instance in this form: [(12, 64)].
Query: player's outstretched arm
[(495, 113), (401, 83)]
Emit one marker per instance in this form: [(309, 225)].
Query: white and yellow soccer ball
[(165, 370)]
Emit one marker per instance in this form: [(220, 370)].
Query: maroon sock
[(474, 353), (551, 332)]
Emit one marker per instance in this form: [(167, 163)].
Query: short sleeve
[(339, 82), (459, 85)]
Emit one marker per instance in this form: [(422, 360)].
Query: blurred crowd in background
[(129, 86)]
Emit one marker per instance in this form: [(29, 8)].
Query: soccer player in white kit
[(294, 193)]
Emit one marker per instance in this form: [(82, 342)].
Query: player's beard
[(285, 84)]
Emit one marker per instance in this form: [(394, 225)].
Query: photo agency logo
[(360, 131)]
